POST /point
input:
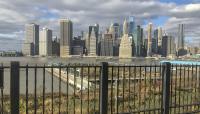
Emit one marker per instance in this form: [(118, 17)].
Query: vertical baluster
[(171, 91), (140, 84), (129, 91), (111, 103), (52, 107), (192, 81), (123, 83), (35, 91), (74, 97), (81, 89), (27, 89), (67, 68), (88, 93), (59, 90), (179, 94), (184, 77), (134, 89), (43, 91)]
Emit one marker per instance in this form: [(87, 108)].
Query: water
[(183, 62), (31, 82), (89, 60)]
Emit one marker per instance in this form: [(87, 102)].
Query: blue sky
[(165, 13), (177, 1)]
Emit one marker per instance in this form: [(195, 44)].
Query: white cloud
[(16, 13)]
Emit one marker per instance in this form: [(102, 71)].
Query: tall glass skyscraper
[(31, 43), (66, 34), (181, 36), (149, 37), (132, 28), (155, 41), (138, 41)]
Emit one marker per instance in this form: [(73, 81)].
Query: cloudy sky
[(14, 14)]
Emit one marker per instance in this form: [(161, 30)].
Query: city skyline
[(14, 15)]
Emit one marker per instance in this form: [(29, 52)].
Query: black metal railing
[(100, 89)]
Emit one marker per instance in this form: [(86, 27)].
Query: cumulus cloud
[(16, 13)]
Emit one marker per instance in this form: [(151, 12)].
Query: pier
[(71, 79)]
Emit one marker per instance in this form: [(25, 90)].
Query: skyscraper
[(138, 41), (78, 46), (96, 31), (115, 32), (168, 46), (66, 34), (92, 44), (56, 47), (45, 42), (159, 36), (125, 27), (132, 27), (181, 36), (125, 49), (107, 45), (149, 37), (31, 43), (95, 28), (155, 41)]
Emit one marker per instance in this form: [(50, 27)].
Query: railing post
[(14, 87), (1, 77), (1, 88), (166, 75), (104, 88)]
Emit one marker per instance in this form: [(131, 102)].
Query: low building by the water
[(10, 53)]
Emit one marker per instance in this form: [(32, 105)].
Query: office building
[(181, 51), (28, 49), (138, 42), (31, 43), (95, 28), (168, 46), (78, 46), (181, 36), (114, 30), (56, 47), (107, 45), (96, 32), (45, 42), (155, 42), (160, 34), (66, 34), (91, 49), (149, 37), (132, 27), (125, 49)]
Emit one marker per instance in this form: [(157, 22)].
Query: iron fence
[(100, 89)]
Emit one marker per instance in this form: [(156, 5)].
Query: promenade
[(70, 78)]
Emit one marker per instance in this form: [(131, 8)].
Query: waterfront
[(84, 60), (139, 86), (40, 61), (31, 78)]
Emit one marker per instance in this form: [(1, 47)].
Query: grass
[(127, 96)]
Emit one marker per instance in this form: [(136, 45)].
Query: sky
[(14, 14)]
